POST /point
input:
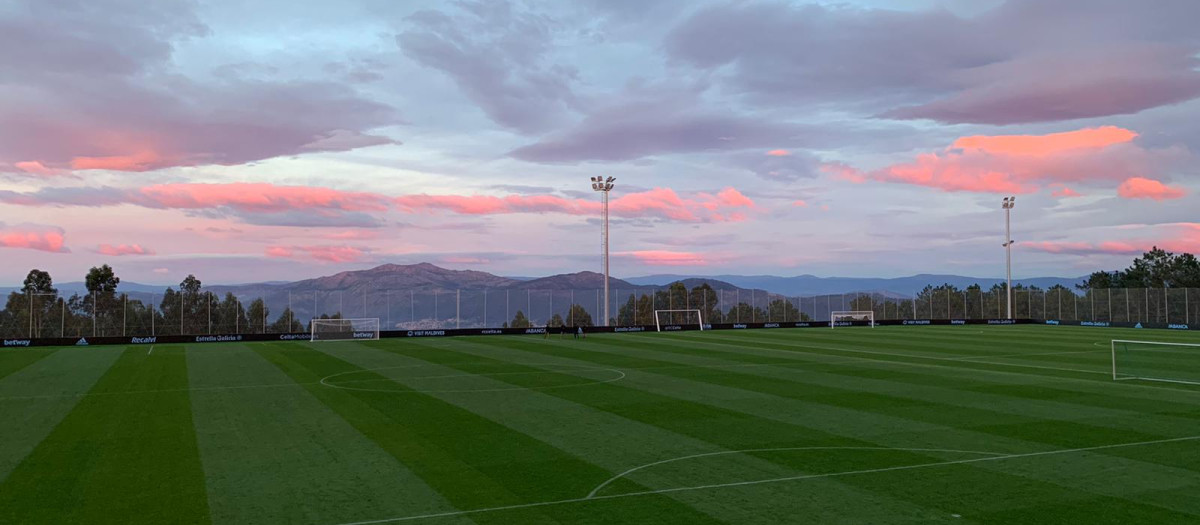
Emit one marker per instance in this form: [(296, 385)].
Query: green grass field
[(887, 425)]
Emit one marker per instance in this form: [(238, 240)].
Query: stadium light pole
[(1009, 202), (604, 185)]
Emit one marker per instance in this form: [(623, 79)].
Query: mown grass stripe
[(1036, 437), (726, 429), (472, 461), (279, 455), (25, 421), (13, 360), (116, 459)]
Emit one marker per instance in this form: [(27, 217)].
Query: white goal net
[(345, 329), (837, 319), (677, 319), (1155, 361)]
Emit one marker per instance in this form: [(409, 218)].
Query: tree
[(286, 323), (577, 315), (555, 321), (101, 280), (102, 284), (520, 321), (190, 285), (256, 316), (38, 282)]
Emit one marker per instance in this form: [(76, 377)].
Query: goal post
[(345, 329), (690, 317), (849, 316), (1156, 361)]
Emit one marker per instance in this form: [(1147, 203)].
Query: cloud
[(643, 122), (37, 168), (33, 237), (1065, 192), (662, 203), (123, 249), (323, 253), (462, 259), (497, 54), (778, 153), (933, 64), (665, 258), (1182, 237), (1143, 188), (1083, 248), (1103, 80), (1024, 163), (97, 88), (253, 203), (307, 206)]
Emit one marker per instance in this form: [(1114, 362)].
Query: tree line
[(37, 310)]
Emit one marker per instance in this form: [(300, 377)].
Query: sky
[(271, 140)]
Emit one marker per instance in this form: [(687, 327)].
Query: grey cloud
[(1023, 61), (641, 127), (496, 54), (136, 112)]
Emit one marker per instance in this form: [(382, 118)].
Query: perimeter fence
[(33, 315)]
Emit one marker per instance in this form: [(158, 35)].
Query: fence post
[(94, 309)]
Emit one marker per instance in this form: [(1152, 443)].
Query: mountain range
[(422, 296)]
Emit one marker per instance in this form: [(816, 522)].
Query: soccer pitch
[(957, 424)]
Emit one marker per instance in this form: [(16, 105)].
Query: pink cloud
[(666, 258), (779, 153), (1044, 145), (1065, 192), (139, 161), (33, 237), (258, 197), (280, 252), (728, 204), (1023, 163), (1181, 237), (658, 202), (34, 167), (1143, 188), (1084, 248), (123, 249), (324, 253), (800, 203)]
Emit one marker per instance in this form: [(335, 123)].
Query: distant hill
[(812, 285), (423, 296)]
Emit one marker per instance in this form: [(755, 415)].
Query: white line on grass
[(772, 480), (601, 486), (150, 350)]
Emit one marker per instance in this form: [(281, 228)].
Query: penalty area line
[(771, 480)]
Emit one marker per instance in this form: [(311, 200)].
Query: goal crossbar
[(853, 315), (366, 328), (1156, 361), (658, 323)]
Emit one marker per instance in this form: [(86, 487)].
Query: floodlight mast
[(1009, 202), (604, 186)]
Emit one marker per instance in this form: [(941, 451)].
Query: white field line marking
[(150, 350), (772, 480), (601, 486), (324, 381)]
